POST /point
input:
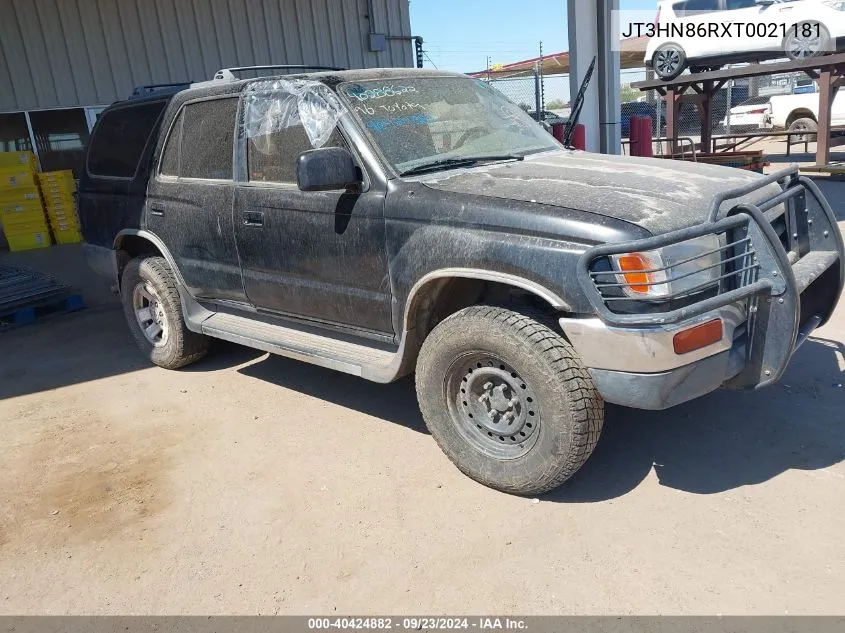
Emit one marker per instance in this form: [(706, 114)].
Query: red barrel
[(634, 135), (646, 135), (558, 131), (579, 137)]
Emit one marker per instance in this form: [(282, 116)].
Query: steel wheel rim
[(149, 313), (668, 61), (494, 409)]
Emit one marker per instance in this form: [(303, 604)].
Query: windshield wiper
[(463, 161)]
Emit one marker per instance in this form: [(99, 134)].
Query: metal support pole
[(706, 117), (672, 120), (32, 138), (538, 100), (730, 105), (827, 93)]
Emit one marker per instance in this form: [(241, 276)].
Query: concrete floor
[(255, 484)]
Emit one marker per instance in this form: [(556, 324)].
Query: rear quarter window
[(120, 137)]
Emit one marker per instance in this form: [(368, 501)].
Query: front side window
[(417, 121), (120, 138), (284, 118)]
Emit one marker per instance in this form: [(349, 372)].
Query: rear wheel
[(508, 400), (153, 311), (806, 40), (807, 125), (669, 61)]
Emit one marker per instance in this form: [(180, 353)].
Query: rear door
[(751, 26), (692, 15), (189, 202)]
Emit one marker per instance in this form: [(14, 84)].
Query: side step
[(352, 358)]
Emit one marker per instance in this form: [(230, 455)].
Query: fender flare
[(156, 241), (550, 297)]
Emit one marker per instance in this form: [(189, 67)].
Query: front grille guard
[(756, 269)]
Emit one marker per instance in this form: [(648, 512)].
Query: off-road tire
[(570, 410), (182, 346)]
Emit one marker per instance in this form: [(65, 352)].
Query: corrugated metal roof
[(57, 53)]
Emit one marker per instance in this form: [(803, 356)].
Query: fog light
[(697, 337)]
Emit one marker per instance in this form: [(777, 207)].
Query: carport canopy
[(631, 55)]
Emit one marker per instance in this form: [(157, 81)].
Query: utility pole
[(488, 69), (542, 87)]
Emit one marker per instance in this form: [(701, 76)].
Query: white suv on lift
[(707, 34)]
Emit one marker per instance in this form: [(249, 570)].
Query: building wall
[(59, 53)]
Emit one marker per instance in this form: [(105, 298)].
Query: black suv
[(390, 221)]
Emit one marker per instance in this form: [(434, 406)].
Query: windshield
[(416, 121)]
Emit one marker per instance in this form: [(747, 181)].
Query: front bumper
[(792, 286)]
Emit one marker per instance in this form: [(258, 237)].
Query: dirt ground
[(255, 484)]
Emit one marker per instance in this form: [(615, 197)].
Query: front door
[(317, 255), (189, 202)]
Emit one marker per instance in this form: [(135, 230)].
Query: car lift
[(828, 70)]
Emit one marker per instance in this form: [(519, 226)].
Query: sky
[(460, 34)]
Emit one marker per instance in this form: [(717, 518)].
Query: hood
[(656, 194)]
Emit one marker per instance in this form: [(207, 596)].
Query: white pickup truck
[(800, 113)]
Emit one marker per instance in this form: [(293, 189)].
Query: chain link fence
[(526, 92), (549, 95)]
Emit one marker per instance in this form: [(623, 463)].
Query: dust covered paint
[(656, 194)]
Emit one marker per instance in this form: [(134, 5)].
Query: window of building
[(120, 138), (14, 135), (272, 157), (60, 138), (208, 138)]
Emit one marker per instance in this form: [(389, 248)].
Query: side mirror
[(326, 169)]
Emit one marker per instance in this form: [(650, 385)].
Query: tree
[(626, 93), (556, 104)]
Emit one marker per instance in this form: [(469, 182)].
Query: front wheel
[(508, 400), (669, 61)]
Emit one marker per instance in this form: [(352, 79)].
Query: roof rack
[(143, 91), (228, 74)]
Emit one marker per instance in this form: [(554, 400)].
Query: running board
[(352, 358)]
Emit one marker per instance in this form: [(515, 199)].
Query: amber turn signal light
[(637, 280), (698, 337)]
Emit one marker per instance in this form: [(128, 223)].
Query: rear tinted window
[(208, 137), (120, 138)]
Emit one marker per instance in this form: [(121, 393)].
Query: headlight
[(837, 5), (671, 271)]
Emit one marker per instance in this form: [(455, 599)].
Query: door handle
[(156, 210), (253, 218)]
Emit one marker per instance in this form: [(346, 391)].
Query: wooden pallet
[(29, 314)]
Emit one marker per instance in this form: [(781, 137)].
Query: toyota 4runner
[(385, 222)]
